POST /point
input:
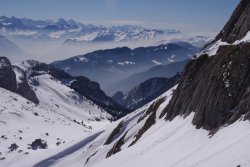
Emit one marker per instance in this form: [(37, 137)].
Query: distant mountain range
[(166, 71), (145, 92), (112, 65), (70, 31)]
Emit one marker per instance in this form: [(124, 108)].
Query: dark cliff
[(217, 88), (214, 88), (237, 26)]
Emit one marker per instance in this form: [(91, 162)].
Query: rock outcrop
[(214, 88), (217, 88), (237, 26), (23, 87), (82, 85), (7, 75)]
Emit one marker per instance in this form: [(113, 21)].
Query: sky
[(184, 15)]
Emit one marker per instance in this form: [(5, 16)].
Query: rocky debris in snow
[(4, 137), (150, 121), (153, 108), (90, 157), (13, 147), (117, 146), (116, 131), (39, 144)]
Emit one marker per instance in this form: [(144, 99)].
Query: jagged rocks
[(115, 132), (117, 146), (238, 25), (214, 88), (18, 84), (23, 87), (7, 75), (13, 147), (151, 120), (39, 144)]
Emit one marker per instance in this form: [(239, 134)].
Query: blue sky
[(186, 15)]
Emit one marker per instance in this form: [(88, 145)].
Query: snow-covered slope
[(61, 116), (174, 143)]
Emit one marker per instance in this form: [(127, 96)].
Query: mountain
[(39, 111), (112, 65), (145, 92), (132, 81), (70, 31), (82, 85), (222, 75), (202, 121), (10, 50)]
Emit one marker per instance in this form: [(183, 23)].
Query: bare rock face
[(215, 88), (8, 80), (238, 25), (23, 87), (7, 75)]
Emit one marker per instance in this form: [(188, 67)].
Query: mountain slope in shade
[(132, 81), (82, 85), (142, 138), (34, 104), (112, 65), (145, 92)]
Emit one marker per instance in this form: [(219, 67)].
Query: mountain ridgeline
[(87, 88), (217, 88), (108, 67), (82, 85), (145, 92)]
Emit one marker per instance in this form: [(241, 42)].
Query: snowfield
[(177, 144), (62, 116)]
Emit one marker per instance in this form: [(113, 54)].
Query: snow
[(245, 39), (84, 59), (212, 50), (126, 63), (174, 143), (56, 35), (86, 37), (171, 58), (3, 63), (156, 62), (19, 75), (62, 113)]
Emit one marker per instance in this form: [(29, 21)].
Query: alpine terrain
[(196, 116)]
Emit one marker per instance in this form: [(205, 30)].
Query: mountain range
[(112, 65), (203, 120), (70, 31), (145, 92)]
